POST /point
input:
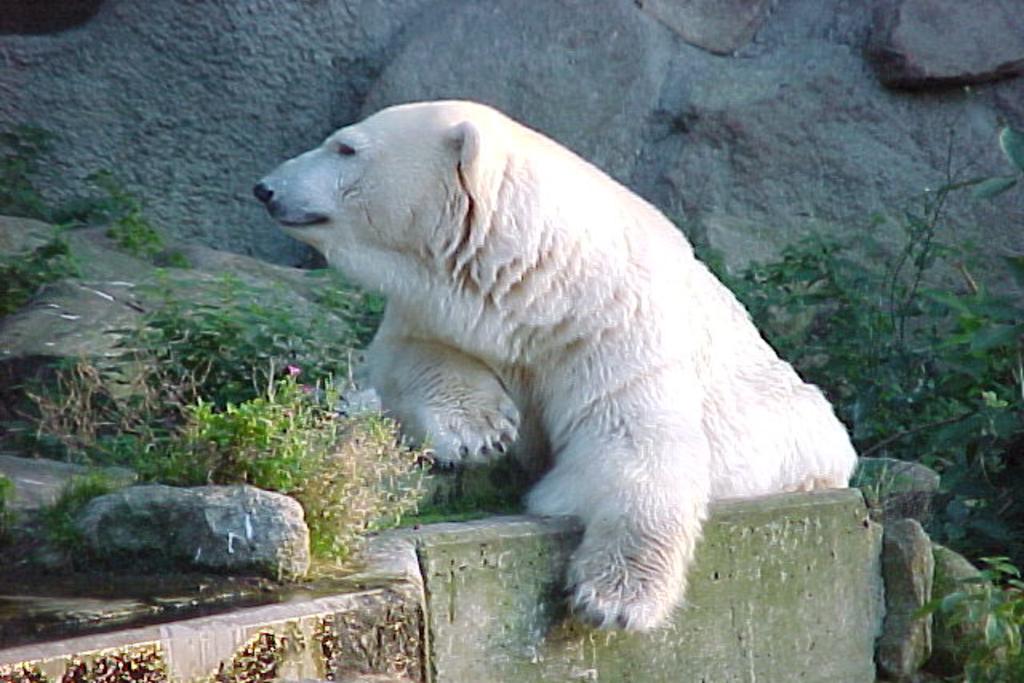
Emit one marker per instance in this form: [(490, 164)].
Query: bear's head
[(396, 185)]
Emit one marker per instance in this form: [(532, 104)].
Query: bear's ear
[(464, 140)]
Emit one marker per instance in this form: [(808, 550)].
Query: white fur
[(533, 300)]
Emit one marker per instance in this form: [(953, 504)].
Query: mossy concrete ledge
[(373, 625), (785, 588)]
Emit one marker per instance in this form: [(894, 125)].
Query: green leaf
[(1016, 264), (993, 336), (993, 187), (1012, 143)]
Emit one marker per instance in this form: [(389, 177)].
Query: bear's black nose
[(262, 192)]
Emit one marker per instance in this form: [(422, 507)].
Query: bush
[(21, 275), (227, 342), (989, 610), (59, 519), (6, 516), (916, 370)]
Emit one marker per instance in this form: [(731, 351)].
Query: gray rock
[(799, 137), (896, 489), (219, 528), (38, 482), (584, 72), (922, 43), (190, 104), (952, 642), (718, 26), (907, 569)]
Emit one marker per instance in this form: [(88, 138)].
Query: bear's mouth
[(304, 221)]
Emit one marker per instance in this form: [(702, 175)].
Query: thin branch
[(913, 430)]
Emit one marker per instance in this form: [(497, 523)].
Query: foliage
[(351, 475), (59, 519), (230, 339), (989, 608), (22, 146), (128, 228), (918, 366), (21, 275), (6, 493)]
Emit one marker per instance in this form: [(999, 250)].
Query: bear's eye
[(346, 150)]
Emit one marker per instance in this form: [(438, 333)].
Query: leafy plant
[(1012, 143), (21, 275), (6, 516), (351, 475), (22, 146), (989, 610), (918, 368), (229, 340), (128, 227), (59, 519)]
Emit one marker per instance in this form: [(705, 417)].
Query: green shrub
[(989, 610), (59, 519), (917, 370), (21, 275), (228, 341), (351, 475), (6, 515)]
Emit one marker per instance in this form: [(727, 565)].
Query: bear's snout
[(262, 192)]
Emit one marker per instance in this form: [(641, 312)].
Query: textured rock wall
[(749, 122)]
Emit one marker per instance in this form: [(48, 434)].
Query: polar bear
[(535, 304)]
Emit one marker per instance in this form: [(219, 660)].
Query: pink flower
[(293, 370)]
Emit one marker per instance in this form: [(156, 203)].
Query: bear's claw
[(636, 613), (476, 434)]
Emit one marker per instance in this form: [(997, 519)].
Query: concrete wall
[(785, 588)]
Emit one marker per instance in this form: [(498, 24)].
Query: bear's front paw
[(612, 592), (601, 607), (474, 434)]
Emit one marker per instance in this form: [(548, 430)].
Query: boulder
[(924, 43), (189, 104), (237, 529), (907, 568), (718, 26), (799, 137), (896, 489), (584, 72)]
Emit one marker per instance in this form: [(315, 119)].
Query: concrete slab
[(785, 588)]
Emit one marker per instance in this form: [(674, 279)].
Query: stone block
[(907, 568), (784, 588), (896, 489)]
